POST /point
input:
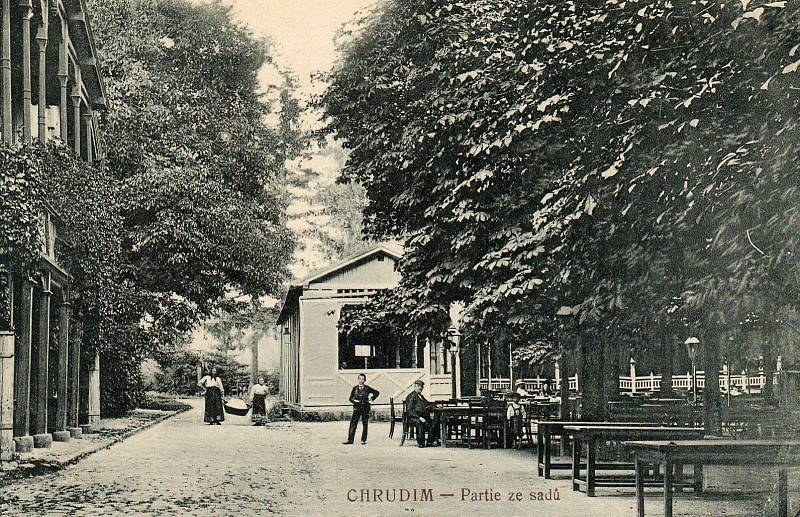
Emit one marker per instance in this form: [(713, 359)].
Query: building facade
[(319, 365), (50, 87)]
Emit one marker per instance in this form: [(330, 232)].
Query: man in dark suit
[(361, 396), (419, 413)]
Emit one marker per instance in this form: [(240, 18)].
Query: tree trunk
[(565, 408), (567, 366), (611, 369), (254, 360), (591, 377), (710, 360), (768, 352), (668, 352)]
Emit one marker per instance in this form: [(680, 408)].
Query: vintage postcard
[(399, 257)]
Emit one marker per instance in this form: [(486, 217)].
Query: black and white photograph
[(400, 258)]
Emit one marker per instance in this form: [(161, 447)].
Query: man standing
[(418, 409), (361, 396)]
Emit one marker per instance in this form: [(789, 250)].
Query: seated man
[(419, 414), (520, 384)]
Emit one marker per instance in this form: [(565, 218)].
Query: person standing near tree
[(361, 396), (215, 413)]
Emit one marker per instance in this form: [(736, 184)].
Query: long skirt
[(259, 410), (214, 410)]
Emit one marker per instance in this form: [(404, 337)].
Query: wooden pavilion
[(319, 365)]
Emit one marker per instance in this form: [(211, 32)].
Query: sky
[(303, 35), (302, 31)]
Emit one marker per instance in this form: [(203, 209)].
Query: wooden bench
[(781, 453), (591, 436), (546, 429)]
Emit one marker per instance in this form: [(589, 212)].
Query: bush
[(163, 402)]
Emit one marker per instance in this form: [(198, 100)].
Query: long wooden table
[(782, 453), (545, 429), (593, 435)]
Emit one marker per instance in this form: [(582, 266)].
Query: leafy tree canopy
[(608, 165), (201, 171)]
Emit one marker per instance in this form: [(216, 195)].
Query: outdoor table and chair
[(672, 455), (471, 422), (590, 437), (546, 429), (536, 409), (452, 417)]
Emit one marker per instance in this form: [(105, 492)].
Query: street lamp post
[(691, 346), (454, 336)]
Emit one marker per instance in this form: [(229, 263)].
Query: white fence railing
[(746, 383)]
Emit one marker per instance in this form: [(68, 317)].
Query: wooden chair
[(472, 426), (495, 426), (409, 429), (393, 417), (535, 411), (454, 430)]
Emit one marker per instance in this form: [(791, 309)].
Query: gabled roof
[(390, 249), (296, 288)]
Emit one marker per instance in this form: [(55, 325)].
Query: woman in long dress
[(215, 413), (258, 398)]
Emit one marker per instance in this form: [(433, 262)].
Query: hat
[(419, 383), (519, 381)]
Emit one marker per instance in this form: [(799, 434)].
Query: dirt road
[(183, 467)]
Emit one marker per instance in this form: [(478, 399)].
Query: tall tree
[(545, 155), (201, 171)]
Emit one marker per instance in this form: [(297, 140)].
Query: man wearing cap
[(521, 391), (419, 412)]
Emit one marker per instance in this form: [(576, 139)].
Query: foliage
[(21, 204), (39, 177), (200, 171), (161, 402), (189, 202), (228, 368), (243, 326), (342, 206), (580, 172), (106, 310), (21, 207), (179, 373), (329, 214)]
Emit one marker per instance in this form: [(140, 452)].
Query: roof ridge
[(345, 261)]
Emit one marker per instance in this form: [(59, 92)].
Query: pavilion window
[(379, 351)]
